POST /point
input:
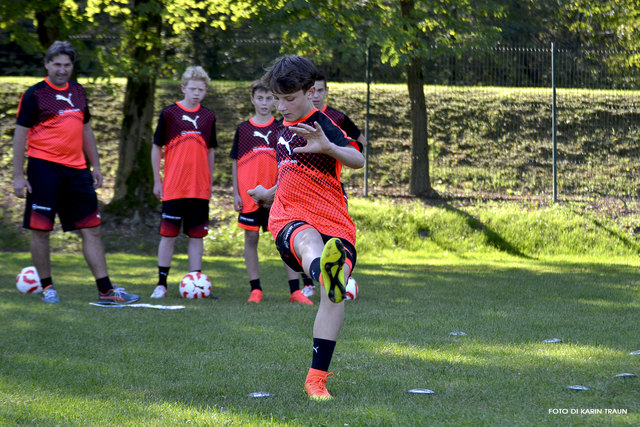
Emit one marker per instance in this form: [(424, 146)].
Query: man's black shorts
[(63, 190)]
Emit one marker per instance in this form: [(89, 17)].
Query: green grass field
[(423, 272)]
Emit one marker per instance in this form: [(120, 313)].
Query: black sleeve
[(234, 148), (350, 128), (334, 134), (159, 136), (28, 109), (213, 140)]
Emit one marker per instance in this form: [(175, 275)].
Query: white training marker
[(421, 391), (626, 375), (458, 334), (259, 394), (552, 340), (577, 388), (156, 306), (635, 353)]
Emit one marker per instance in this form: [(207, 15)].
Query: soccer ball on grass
[(28, 281), (195, 285), (351, 289)]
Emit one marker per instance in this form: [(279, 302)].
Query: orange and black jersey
[(187, 136), (343, 121), (309, 186), (55, 118), (254, 149)]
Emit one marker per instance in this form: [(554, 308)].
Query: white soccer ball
[(28, 281), (351, 289), (195, 285)]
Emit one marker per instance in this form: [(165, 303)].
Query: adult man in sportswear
[(53, 129)]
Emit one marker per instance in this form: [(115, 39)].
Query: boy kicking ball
[(309, 219)]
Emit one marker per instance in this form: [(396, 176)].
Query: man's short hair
[(60, 48), (197, 73), (258, 85), (290, 74)]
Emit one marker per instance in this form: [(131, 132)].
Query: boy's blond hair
[(197, 73)]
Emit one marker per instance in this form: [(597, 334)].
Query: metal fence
[(491, 128)]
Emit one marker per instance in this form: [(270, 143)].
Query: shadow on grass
[(628, 243), (494, 239)]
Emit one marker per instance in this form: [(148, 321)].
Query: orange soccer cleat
[(256, 296), (316, 384), (298, 296)]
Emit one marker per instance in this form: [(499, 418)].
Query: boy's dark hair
[(60, 48), (320, 75), (258, 85), (290, 74)]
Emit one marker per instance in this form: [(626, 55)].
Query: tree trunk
[(420, 183), (133, 192), (49, 24)]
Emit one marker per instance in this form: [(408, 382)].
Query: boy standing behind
[(187, 131), (309, 217), (254, 164), (339, 118)]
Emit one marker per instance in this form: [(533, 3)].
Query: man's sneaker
[(117, 296), (316, 384), (159, 292), (50, 295), (298, 296), (309, 291), (256, 296), (331, 263)]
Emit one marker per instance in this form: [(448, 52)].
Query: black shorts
[(56, 188), (284, 244), (254, 220), (192, 214)]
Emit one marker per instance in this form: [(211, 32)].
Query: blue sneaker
[(117, 296), (50, 295)]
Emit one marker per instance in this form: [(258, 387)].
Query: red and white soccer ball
[(351, 289), (28, 281), (195, 285)]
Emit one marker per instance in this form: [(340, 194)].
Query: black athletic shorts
[(254, 220), (284, 244), (192, 214), (56, 188)]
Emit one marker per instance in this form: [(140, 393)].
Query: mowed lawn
[(77, 364)]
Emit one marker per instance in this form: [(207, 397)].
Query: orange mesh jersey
[(186, 136), (343, 121), (55, 118), (254, 148), (309, 184)]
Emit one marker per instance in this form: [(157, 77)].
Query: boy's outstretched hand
[(317, 142)]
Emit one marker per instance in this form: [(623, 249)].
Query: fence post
[(554, 123), (366, 124)]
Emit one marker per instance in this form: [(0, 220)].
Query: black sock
[(255, 284), (294, 285), (308, 281), (46, 282), (322, 353), (163, 273), (314, 269), (104, 285)]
